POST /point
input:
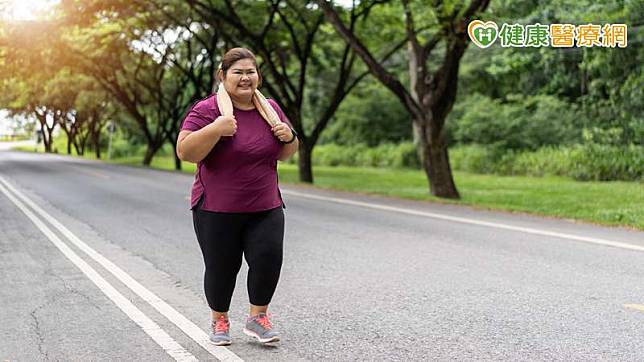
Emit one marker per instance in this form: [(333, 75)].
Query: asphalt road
[(364, 278)]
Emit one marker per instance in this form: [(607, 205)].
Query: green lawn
[(609, 203)]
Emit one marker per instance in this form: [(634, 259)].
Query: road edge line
[(597, 241)]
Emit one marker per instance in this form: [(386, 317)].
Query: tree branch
[(376, 68)]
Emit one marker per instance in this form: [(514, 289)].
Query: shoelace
[(264, 322), (221, 325)]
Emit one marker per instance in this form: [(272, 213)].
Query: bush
[(401, 155), (542, 162), (580, 162), (369, 115), (122, 148), (521, 123), (474, 158), (607, 163)]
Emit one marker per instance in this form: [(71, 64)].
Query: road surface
[(100, 262)]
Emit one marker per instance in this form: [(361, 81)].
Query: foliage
[(577, 112), (602, 86), (401, 155), (369, 115), (520, 123), (587, 162)]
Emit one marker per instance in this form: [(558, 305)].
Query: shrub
[(607, 163), (580, 162), (474, 158), (384, 155), (520, 123)]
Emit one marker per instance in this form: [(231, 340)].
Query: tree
[(294, 52), (93, 110), (153, 60), (431, 93), (189, 47), (27, 68)]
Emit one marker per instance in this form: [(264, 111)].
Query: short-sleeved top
[(240, 172)]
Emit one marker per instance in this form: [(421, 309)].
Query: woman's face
[(241, 79)]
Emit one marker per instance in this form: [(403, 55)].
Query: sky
[(5, 123), (18, 10)]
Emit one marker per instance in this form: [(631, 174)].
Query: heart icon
[(482, 34)]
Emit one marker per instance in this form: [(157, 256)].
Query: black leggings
[(224, 237)]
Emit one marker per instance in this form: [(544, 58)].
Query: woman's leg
[(263, 240), (219, 236)]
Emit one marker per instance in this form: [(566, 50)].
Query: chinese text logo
[(484, 34)]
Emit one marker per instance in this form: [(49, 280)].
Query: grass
[(607, 203)]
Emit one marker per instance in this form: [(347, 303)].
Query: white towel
[(263, 107)]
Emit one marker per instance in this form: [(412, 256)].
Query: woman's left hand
[(282, 131)]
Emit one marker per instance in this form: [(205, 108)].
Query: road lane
[(50, 310)]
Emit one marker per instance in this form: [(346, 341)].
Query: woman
[(236, 138)]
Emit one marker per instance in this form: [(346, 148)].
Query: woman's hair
[(233, 55)]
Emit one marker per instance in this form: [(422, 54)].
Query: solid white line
[(178, 319), (174, 349), (639, 307), (616, 244)]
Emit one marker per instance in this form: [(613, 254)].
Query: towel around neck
[(261, 104)]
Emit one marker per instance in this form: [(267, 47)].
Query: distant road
[(100, 262), (5, 146)]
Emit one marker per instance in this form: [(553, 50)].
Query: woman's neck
[(243, 104)]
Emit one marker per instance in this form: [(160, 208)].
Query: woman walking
[(236, 137)]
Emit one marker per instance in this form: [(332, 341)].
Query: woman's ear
[(220, 75)]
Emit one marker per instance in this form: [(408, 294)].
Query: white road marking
[(174, 349), (178, 319), (616, 244), (639, 307)]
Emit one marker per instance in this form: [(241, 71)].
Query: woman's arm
[(283, 132), (195, 146), (289, 150)]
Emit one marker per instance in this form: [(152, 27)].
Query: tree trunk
[(439, 172), (97, 146), (149, 154), (153, 147), (304, 163), (47, 140), (435, 161), (177, 162), (79, 147)]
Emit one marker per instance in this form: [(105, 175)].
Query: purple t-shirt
[(240, 172)]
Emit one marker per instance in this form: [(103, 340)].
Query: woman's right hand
[(225, 125)]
